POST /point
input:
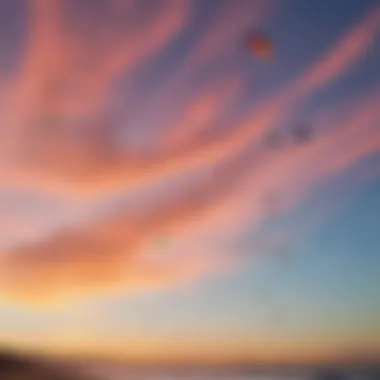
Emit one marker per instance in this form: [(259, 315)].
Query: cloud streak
[(85, 167), (65, 75), (112, 251)]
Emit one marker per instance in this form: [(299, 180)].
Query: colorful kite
[(261, 46)]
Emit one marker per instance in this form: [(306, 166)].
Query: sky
[(144, 213)]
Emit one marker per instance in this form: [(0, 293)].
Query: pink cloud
[(111, 251), (123, 170)]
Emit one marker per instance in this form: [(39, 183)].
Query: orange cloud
[(54, 82), (112, 252), (64, 164)]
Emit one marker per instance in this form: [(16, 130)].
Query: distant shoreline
[(81, 364)]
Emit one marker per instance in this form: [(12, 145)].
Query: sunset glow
[(148, 212)]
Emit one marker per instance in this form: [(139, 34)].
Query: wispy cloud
[(112, 251), (79, 85), (96, 171), (65, 75)]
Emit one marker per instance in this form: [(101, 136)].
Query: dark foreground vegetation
[(17, 367)]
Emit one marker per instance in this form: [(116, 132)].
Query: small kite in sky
[(261, 46), (302, 133)]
